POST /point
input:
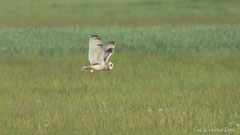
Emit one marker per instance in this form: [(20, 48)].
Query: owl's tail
[(86, 68)]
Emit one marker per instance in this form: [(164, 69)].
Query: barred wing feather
[(108, 50), (96, 50)]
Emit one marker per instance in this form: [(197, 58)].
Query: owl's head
[(110, 65)]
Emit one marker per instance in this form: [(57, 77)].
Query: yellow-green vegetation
[(150, 94), (166, 80), (117, 12)]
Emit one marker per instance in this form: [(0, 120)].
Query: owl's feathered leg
[(86, 68)]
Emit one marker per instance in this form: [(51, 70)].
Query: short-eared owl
[(98, 54)]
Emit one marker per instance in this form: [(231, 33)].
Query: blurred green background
[(22, 13)]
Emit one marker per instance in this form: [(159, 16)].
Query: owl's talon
[(91, 71)]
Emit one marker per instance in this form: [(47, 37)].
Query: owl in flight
[(98, 54)]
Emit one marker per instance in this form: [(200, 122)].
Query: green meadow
[(176, 67), (151, 94), (166, 80)]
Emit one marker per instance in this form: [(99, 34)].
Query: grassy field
[(26, 13), (166, 80), (176, 67)]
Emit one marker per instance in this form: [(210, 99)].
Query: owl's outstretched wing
[(108, 50), (96, 50)]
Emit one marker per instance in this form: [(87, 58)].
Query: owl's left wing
[(108, 50), (96, 50)]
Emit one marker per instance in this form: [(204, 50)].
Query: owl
[(98, 54)]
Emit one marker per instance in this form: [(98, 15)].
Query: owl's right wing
[(96, 50), (108, 50)]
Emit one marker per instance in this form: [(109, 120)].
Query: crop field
[(176, 67)]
